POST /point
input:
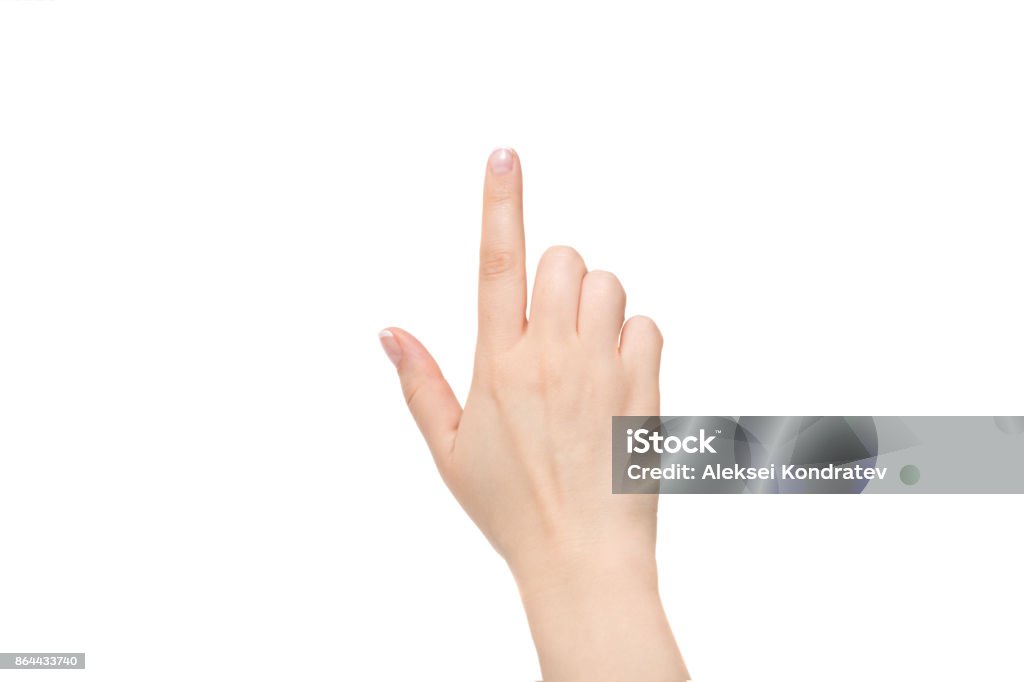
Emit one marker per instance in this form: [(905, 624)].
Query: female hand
[(529, 457)]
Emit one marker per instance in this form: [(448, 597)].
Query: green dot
[(910, 474)]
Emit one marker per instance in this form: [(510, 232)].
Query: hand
[(529, 457)]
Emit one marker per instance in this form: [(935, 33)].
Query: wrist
[(585, 573), (598, 616)]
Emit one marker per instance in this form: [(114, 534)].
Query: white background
[(209, 208)]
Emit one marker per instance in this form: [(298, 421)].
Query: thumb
[(431, 401)]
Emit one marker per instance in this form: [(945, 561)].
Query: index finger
[(502, 297)]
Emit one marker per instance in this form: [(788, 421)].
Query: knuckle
[(507, 387), (495, 370), (498, 263), (500, 373), (501, 198), (604, 282), (562, 254), (645, 327), (551, 373), (411, 393)]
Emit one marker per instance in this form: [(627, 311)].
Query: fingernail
[(390, 345), (500, 161)]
